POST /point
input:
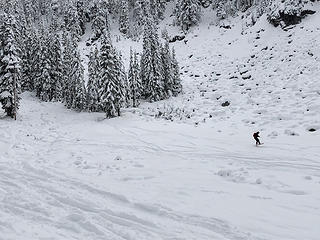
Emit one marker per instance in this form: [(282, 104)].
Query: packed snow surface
[(196, 175), (67, 175)]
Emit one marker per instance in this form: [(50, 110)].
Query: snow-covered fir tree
[(40, 61), (82, 18), (100, 19), (138, 13), (243, 5), (67, 61), (138, 18), (93, 82), (48, 81), (74, 87), (28, 59), (221, 10), (177, 86), (79, 90), (151, 64), (110, 92), (130, 79), (9, 67), (158, 8), (113, 6), (72, 22), (134, 80), (124, 84), (55, 56), (126, 91), (225, 8), (167, 70), (188, 13), (124, 17), (30, 12)]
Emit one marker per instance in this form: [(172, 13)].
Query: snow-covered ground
[(67, 175)]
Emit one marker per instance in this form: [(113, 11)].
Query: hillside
[(183, 168), (269, 77)]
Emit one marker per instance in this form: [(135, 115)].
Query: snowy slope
[(269, 76), (67, 175)]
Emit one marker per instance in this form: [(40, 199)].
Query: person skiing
[(256, 137)]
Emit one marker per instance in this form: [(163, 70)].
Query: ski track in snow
[(94, 218)]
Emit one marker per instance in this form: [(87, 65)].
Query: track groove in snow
[(58, 202)]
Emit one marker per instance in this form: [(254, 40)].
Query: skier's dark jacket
[(256, 135)]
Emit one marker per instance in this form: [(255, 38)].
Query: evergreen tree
[(72, 22), (75, 92), (146, 10), (79, 90), (67, 63), (9, 68), (40, 61), (221, 10), (113, 6), (138, 13), (165, 34), (227, 8), (138, 19), (124, 17), (30, 12), (167, 69), (126, 101), (28, 69), (151, 64), (130, 79), (177, 86), (134, 81), (100, 19), (93, 83), (124, 85), (49, 82), (243, 5), (46, 93), (55, 57), (158, 8), (111, 94), (81, 15), (188, 13)]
